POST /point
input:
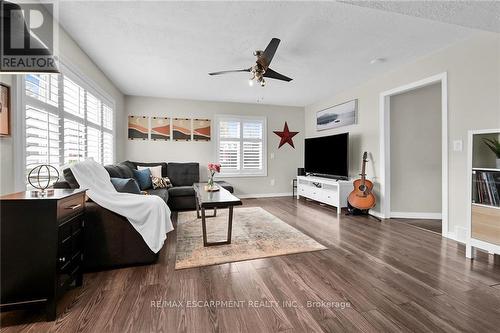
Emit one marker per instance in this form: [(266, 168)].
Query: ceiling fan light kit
[(261, 68)]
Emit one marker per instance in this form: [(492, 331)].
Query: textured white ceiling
[(166, 49), (478, 14)]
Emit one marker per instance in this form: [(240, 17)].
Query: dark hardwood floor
[(393, 276), (430, 225)]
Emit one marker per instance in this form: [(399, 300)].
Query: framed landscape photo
[(160, 128), (337, 116), (181, 129), (4, 110), (201, 129), (138, 127)]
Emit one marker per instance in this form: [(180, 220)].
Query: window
[(65, 121), (241, 145)]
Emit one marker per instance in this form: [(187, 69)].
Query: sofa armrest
[(111, 241), (61, 184)]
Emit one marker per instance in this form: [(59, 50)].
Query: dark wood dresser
[(41, 248)]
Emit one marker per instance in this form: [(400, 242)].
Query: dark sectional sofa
[(110, 240)]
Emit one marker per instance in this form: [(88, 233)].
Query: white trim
[(416, 215), (377, 214), (468, 247), (476, 244), (19, 139), (384, 117), (486, 206), (263, 195)]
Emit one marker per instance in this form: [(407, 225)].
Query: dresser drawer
[(70, 206)]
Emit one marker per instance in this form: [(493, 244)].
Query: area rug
[(256, 234)]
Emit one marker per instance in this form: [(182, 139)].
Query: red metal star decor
[(286, 136)]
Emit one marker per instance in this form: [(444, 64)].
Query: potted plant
[(213, 168), (494, 146)]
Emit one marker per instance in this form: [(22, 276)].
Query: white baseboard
[(416, 215), (377, 214), (263, 195), (452, 235)]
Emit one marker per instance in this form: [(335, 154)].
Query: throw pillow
[(143, 178), (155, 170), (70, 178), (161, 182), (126, 185)]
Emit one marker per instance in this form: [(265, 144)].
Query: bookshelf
[(483, 212)]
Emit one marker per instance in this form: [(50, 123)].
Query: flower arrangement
[(213, 168)]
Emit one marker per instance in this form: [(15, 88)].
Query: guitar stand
[(351, 211)]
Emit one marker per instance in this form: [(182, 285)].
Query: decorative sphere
[(43, 176)]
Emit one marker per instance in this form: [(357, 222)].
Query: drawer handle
[(74, 207)]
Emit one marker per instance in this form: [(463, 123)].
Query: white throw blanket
[(148, 214)]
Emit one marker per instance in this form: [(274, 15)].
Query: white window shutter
[(94, 144), (229, 155), (241, 145), (74, 141), (93, 109), (43, 87), (107, 116), (65, 122), (107, 148), (252, 155), (74, 98), (42, 138)]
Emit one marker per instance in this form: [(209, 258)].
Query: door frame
[(385, 143)]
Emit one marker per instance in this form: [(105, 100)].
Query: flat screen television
[(327, 156)]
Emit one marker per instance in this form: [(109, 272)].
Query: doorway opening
[(414, 188)]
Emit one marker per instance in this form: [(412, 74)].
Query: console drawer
[(70, 206), (330, 198)]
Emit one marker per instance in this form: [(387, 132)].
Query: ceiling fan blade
[(271, 50), (232, 71), (275, 75)]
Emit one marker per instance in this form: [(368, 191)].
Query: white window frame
[(73, 73), (241, 119)]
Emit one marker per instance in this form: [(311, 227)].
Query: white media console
[(328, 191)]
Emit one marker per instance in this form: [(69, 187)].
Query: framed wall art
[(160, 128), (337, 116), (4, 110), (181, 129), (138, 127), (201, 129)]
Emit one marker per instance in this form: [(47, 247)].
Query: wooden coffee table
[(213, 200)]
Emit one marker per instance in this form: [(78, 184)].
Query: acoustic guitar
[(362, 197)]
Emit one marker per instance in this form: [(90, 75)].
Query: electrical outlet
[(457, 145), (273, 182)]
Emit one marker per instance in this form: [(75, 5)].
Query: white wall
[(473, 68), (415, 118), (71, 53), (282, 168)]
